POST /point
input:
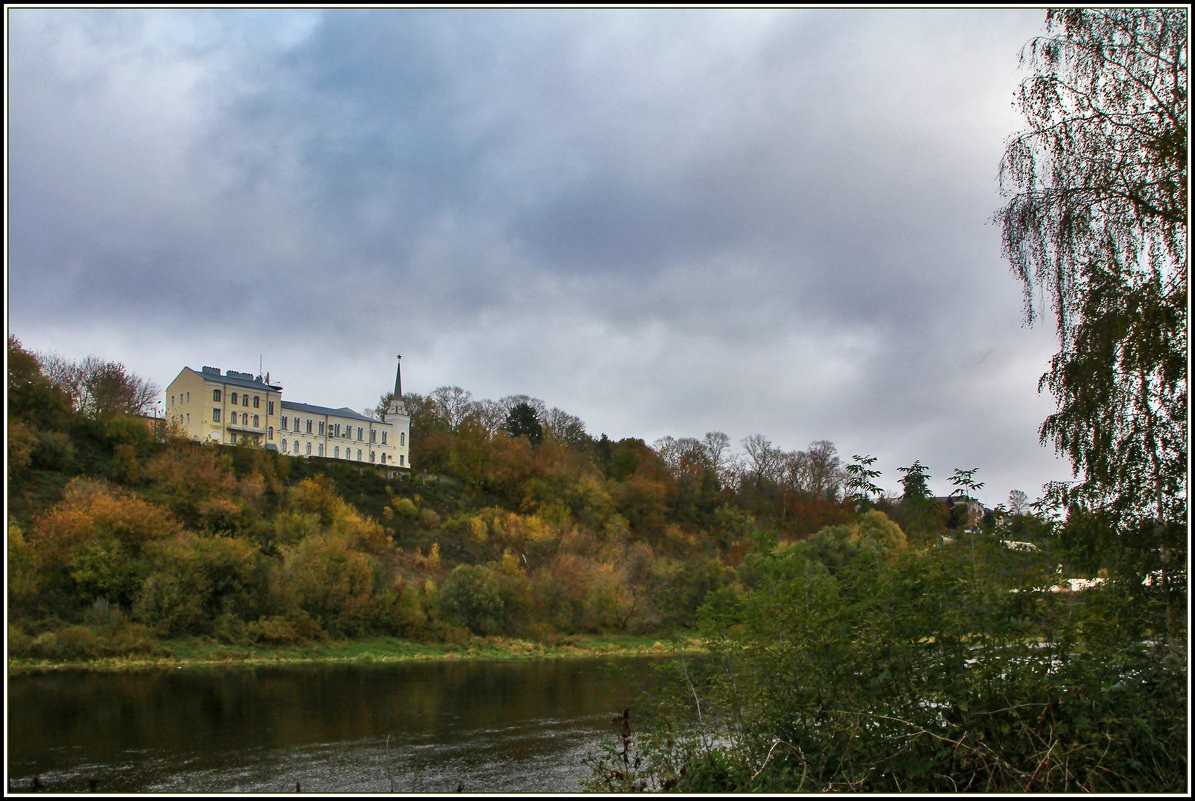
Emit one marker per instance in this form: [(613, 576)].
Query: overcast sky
[(665, 222)]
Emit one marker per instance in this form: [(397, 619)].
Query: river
[(412, 727)]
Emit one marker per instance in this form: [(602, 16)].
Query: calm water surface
[(425, 727)]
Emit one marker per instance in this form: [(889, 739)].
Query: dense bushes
[(194, 540), (860, 667)]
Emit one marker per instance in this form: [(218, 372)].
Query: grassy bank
[(201, 653)]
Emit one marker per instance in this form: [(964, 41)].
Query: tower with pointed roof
[(397, 407)]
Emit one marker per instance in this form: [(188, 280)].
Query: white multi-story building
[(233, 407)]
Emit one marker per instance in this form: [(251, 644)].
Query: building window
[(402, 460), (309, 425), (234, 399), (321, 428), (308, 448), (373, 435), (402, 438), (358, 454), (234, 438), (383, 437), (296, 446), (215, 396), (245, 419), (270, 433), (271, 410), (321, 450), (257, 421), (298, 424), (373, 456), (283, 422), (215, 415), (336, 451), (256, 401), (284, 446), (171, 400), (360, 437), (245, 399), (383, 458)]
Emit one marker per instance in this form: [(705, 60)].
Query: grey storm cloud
[(666, 222)]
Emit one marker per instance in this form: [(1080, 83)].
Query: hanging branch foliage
[(1098, 220)]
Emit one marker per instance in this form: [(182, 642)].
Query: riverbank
[(197, 653)]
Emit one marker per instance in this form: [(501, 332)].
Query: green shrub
[(75, 642), (276, 630), (22, 440), (405, 508), (102, 613), (935, 670), (85, 642), (471, 598), (20, 644), (125, 468), (712, 771), (127, 640), (54, 451), (117, 429)]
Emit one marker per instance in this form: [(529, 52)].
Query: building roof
[(236, 379), (343, 411)]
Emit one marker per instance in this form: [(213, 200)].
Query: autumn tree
[(564, 427), (1098, 219), (764, 461), (717, 451), (470, 459), (192, 478), (454, 404), (818, 471), (763, 473), (330, 581), (423, 411), (696, 477), (32, 396), (91, 545), (99, 388)]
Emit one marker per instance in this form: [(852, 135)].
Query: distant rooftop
[(234, 377), (343, 411)]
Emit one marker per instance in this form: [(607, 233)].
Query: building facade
[(233, 407)]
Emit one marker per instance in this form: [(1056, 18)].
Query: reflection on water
[(489, 726)]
